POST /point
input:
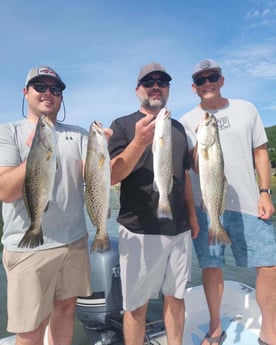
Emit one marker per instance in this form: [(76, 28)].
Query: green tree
[(271, 135)]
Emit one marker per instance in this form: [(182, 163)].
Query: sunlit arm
[(123, 164), (11, 182), (189, 201), (263, 169)]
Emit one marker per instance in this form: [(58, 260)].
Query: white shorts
[(150, 263)]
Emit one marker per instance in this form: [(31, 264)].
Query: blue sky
[(98, 47)]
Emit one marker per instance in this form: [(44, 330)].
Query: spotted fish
[(97, 185), (39, 179), (162, 162), (213, 183)]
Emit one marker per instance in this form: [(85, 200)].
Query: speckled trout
[(162, 162), (39, 179), (97, 185), (213, 183)]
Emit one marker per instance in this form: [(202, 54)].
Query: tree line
[(271, 135)]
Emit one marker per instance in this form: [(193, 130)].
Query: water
[(231, 272)]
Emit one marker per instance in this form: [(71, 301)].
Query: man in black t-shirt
[(155, 253)]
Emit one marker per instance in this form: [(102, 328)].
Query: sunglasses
[(150, 83), (42, 87), (212, 78)]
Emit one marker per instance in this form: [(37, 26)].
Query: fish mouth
[(208, 118), (47, 120), (167, 113), (98, 126)]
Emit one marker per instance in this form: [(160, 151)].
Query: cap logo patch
[(205, 64), (47, 71)]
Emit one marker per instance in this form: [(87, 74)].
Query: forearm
[(263, 167), (123, 164), (11, 182), (188, 193), (189, 201)]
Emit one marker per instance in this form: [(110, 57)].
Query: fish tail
[(218, 237), (31, 239), (164, 210), (100, 243)]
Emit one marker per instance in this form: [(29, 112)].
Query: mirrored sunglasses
[(42, 87), (212, 78)]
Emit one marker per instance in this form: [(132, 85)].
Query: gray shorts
[(253, 241), (36, 279), (149, 263)]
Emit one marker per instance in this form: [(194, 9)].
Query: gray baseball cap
[(206, 65), (36, 72), (150, 68)]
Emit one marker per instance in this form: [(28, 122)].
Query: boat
[(240, 315), (101, 313)]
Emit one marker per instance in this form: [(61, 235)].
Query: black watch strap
[(268, 191)]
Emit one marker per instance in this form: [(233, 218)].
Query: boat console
[(101, 313)]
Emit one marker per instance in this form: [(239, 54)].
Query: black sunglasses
[(150, 83), (42, 87), (212, 78)]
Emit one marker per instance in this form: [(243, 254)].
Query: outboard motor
[(101, 313)]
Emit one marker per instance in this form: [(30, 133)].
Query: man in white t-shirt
[(248, 206)]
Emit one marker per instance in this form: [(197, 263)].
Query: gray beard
[(152, 103)]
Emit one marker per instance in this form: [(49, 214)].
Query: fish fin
[(218, 237), (49, 155), (46, 207), (203, 205), (24, 193), (153, 147), (161, 141), (224, 194), (100, 243), (194, 158), (170, 185), (164, 210), (31, 239), (154, 186), (205, 154), (101, 161)]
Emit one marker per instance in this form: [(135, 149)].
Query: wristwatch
[(268, 191)]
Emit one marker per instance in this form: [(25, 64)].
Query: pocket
[(12, 259)]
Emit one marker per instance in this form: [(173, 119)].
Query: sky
[(99, 46)]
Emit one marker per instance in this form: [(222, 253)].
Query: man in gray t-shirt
[(248, 206), (44, 280)]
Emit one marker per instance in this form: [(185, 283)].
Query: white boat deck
[(239, 312)]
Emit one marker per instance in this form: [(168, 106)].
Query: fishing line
[(64, 112)]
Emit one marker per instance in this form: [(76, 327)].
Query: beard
[(152, 103)]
